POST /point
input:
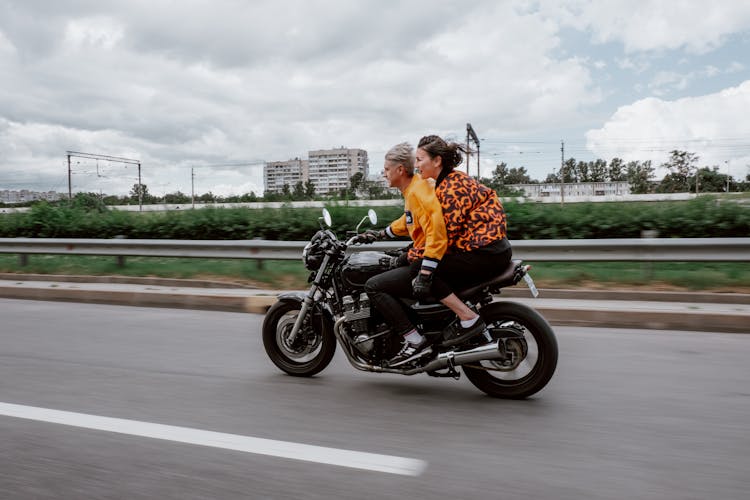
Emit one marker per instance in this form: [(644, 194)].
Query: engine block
[(356, 313)]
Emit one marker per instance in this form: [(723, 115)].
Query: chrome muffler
[(492, 350), (485, 352)]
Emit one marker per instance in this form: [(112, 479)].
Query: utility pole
[(70, 184), (468, 154), (192, 186), (479, 172), (562, 173), (140, 189), (697, 179), (726, 162), (470, 134)]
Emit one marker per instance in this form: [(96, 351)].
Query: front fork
[(309, 299)]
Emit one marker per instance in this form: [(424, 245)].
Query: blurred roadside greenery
[(724, 277), (707, 216)]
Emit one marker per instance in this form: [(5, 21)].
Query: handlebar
[(351, 241)]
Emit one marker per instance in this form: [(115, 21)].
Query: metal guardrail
[(626, 249)]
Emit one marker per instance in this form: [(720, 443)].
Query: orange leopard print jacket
[(474, 216)]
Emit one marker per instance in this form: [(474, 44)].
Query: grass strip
[(691, 276)]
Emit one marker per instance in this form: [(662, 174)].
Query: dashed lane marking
[(260, 446)]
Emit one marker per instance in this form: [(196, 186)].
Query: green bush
[(702, 217)]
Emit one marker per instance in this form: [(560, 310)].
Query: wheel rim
[(522, 364), (307, 344)]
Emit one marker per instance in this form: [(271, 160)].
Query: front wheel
[(530, 347), (312, 349)]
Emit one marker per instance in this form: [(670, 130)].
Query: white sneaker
[(410, 352)]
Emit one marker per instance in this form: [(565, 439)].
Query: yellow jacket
[(423, 222)]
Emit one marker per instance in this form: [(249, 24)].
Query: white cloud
[(665, 81), (638, 65), (220, 82), (5, 44), (225, 81), (697, 26), (710, 71), (102, 32), (668, 80), (714, 126), (735, 67)]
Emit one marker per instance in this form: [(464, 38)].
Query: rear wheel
[(313, 347), (530, 347)]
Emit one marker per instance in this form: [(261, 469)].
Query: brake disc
[(306, 341)]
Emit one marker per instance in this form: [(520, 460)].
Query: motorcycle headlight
[(312, 257)]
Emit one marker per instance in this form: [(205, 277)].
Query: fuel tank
[(360, 266)]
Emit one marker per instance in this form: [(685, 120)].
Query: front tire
[(313, 348), (530, 339)]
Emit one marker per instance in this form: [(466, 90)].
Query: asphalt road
[(629, 414)]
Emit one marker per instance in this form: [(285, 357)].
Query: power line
[(249, 163), (94, 156), (108, 158)]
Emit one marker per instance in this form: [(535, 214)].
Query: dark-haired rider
[(476, 226)]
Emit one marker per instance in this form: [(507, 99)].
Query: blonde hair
[(402, 154)]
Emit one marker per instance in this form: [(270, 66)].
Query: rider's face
[(428, 167), (391, 171)]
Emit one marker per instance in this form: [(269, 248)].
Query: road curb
[(519, 291), (649, 320), (647, 295), (257, 304), (126, 280), (578, 313)]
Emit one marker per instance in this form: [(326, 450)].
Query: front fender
[(292, 297)]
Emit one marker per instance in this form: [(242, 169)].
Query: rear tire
[(313, 348), (536, 358)]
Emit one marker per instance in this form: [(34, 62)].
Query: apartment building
[(24, 195), (278, 173), (330, 170), (574, 189)]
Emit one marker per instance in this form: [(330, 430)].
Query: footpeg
[(450, 372)]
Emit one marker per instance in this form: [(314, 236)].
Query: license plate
[(531, 285)]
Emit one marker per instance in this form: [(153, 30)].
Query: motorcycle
[(514, 358)]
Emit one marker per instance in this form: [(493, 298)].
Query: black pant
[(383, 290), (463, 270), (455, 272)]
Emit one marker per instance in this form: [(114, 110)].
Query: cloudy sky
[(224, 85)]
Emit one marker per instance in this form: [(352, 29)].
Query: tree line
[(359, 188), (683, 175)]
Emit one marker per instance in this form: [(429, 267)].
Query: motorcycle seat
[(509, 277)]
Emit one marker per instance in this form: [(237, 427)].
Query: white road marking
[(284, 449)]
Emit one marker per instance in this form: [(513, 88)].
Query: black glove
[(399, 260), (421, 285), (369, 236)]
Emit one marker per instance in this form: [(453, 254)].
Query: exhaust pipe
[(493, 350)]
